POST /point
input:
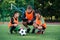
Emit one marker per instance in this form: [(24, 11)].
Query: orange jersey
[(29, 16), (15, 21), (38, 21)]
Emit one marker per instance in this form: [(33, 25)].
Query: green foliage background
[(47, 10)]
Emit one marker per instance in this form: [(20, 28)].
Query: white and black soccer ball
[(22, 32)]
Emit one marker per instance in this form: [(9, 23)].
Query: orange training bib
[(15, 21), (29, 16), (38, 21)]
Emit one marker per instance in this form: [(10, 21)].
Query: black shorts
[(26, 20)]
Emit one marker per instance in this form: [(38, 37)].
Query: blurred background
[(49, 9)]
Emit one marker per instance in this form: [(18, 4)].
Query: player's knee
[(34, 25)]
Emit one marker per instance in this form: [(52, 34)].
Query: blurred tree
[(24, 3), (48, 7)]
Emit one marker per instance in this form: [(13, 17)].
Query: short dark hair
[(37, 11), (29, 7), (15, 12)]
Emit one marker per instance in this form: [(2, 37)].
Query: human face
[(16, 15), (29, 10), (37, 15)]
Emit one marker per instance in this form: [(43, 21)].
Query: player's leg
[(25, 24), (31, 23), (39, 30), (34, 27), (11, 29), (33, 31), (15, 30), (43, 27)]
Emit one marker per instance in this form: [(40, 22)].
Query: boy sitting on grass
[(39, 23)]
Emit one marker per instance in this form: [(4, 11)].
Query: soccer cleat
[(39, 32)]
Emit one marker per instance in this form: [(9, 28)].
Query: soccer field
[(51, 33)]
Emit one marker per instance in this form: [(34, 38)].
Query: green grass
[(51, 33)]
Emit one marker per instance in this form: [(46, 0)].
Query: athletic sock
[(43, 31), (28, 30), (33, 31)]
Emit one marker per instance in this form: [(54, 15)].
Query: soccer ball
[(22, 32)]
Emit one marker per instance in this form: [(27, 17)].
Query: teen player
[(29, 17)]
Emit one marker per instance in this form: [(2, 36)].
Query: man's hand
[(14, 24), (40, 27)]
